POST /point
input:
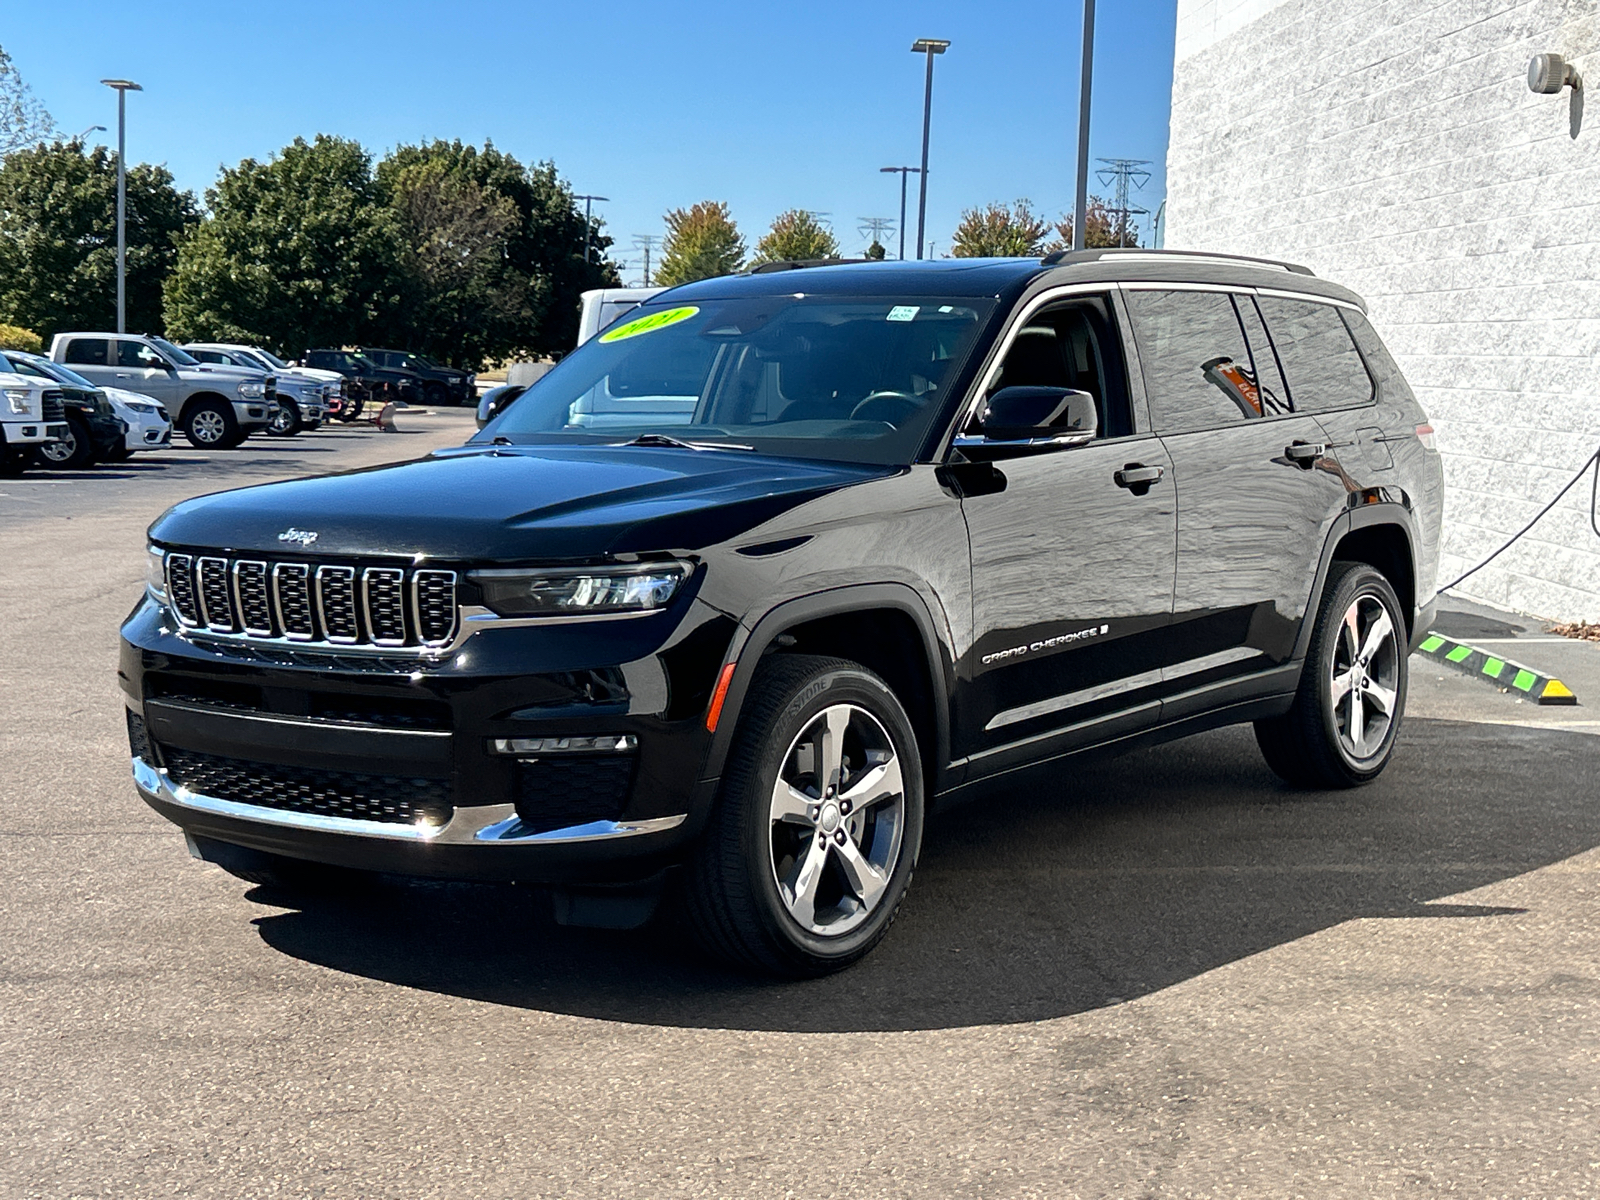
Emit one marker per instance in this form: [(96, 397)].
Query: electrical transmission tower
[(646, 242), (825, 219), (874, 228), (1126, 172)]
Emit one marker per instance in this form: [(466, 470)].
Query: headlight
[(155, 574), (142, 408), (252, 390), (17, 399), (643, 587)]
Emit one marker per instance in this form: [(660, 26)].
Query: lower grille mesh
[(385, 798), (556, 792)]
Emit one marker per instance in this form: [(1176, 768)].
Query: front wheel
[(286, 420), (1346, 716), (209, 425), (70, 453), (817, 829)]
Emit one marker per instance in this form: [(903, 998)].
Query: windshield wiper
[(662, 439)]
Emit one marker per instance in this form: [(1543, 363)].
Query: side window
[(1320, 361), (137, 354), (207, 356), (87, 352), (1074, 345), (1379, 361), (1269, 379), (1197, 368)]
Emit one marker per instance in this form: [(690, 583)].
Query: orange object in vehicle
[(1236, 382)]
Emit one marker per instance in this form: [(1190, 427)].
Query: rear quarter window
[(1321, 365)]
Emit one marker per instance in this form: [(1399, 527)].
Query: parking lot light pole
[(902, 172), (930, 47), (1080, 204), (123, 87), (588, 237)]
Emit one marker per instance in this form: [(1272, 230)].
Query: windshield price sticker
[(904, 312), (649, 323)]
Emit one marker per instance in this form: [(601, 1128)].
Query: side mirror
[(1026, 414), (495, 400)]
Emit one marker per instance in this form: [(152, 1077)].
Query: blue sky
[(655, 105)]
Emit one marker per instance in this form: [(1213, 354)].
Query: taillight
[(1425, 436)]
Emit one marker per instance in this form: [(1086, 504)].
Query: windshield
[(45, 369), (277, 363), (856, 379), (249, 358), (182, 357)]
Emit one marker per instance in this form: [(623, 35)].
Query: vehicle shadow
[(1121, 877)]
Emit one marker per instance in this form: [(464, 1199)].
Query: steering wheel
[(889, 407)]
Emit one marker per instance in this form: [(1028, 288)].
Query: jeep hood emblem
[(304, 536)]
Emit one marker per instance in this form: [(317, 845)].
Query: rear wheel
[(70, 453), (435, 394), (286, 421), (1346, 716), (210, 425), (817, 829)]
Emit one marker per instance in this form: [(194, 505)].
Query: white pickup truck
[(26, 419), (216, 407)]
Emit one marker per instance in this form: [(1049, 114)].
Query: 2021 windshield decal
[(649, 323)]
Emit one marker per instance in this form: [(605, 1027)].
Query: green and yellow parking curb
[(1511, 677)]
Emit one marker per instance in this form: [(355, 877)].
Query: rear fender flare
[(1385, 512)]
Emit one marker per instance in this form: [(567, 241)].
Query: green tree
[(58, 238), (1101, 229), (996, 231), (876, 251), (23, 120), (702, 242), (492, 253), (299, 251), (796, 235), (14, 338)]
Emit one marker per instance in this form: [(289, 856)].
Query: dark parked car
[(440, 384), (759, 574), (94, 431), (370, 383)]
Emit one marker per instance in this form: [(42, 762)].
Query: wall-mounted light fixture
[(1549, 73)]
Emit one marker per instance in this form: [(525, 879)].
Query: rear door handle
[(1137, 477), (1305, 454)]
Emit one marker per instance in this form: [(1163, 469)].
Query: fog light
[(605, 743)]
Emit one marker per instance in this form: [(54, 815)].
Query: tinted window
[(137, 354), (209, 356), (1268, 377), (1379, 361), (1074, 346), (1197, 368), (1323, 368), (87, 352)]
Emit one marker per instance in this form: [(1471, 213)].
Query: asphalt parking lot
[(1160, 975)]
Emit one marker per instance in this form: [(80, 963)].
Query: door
[(1072, 560), (140, 369), (1256, 491)]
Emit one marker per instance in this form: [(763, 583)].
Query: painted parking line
[(1510, 677)]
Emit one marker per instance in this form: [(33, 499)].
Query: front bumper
[(31, 432), (284, 719), (252, 414)]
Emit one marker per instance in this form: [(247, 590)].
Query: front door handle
[(1138, 478), (1305, 454)]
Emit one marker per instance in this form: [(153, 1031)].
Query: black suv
[(440, 384), (368, 380), (94, 431), (728, 599)]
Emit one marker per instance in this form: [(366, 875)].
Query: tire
[(844, 872), (436, 395), (286, 420), (1356, 667), (73, 453), (210, 425)]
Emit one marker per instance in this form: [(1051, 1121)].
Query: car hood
[(514, 503), (216, 371)]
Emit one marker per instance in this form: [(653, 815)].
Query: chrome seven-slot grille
[(302, 602)]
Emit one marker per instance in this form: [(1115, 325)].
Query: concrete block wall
[(1393, 145)]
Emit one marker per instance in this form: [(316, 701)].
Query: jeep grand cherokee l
[(749, 581)]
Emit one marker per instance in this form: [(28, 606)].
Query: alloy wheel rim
[(1364, 678), (209, 426), (62, 450), (282, 418), (837, 820)]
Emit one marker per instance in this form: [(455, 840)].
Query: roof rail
[(1060, 257), (796, 264)]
